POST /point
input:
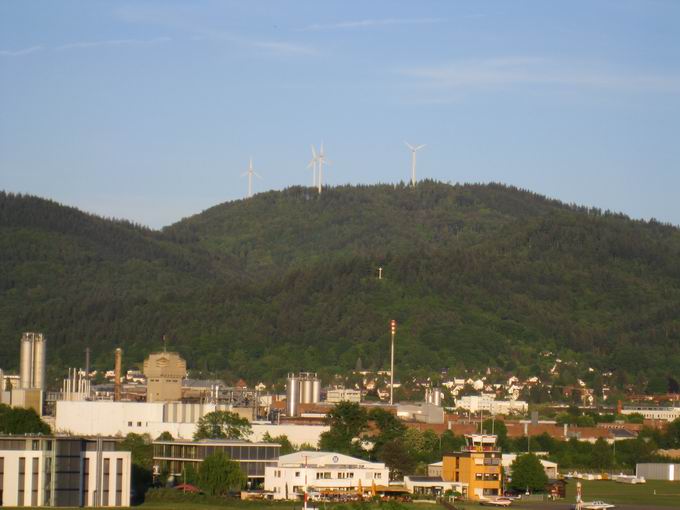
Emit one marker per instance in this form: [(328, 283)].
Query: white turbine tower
[(250, 174), (413, 160), (312, 165), (321, 158)]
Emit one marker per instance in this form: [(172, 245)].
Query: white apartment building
[(653, 412), (63, 471), (322, 474), (488, 403)]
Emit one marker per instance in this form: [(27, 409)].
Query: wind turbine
[(312, 165), (413, 160), (250, 174), (321, 159)]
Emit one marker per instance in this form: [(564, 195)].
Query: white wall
[(11, 477), (107, 418), (306, 476)]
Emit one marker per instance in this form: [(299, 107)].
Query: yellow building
[(478, 465), (164, 372)]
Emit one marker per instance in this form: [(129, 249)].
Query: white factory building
[(110, 418), (323, 474), (63, 471)]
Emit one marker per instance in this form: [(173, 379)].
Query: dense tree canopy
[(218, 475), (21, 421), (528, 473), (476, 275), (222, 425)]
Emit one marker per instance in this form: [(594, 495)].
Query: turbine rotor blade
[(409, 146)]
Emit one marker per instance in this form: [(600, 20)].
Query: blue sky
[(149, 110)]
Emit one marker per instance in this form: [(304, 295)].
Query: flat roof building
[(325, 474), (63, 471), (173, 456)]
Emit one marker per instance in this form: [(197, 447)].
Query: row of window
[(487, 476), (327, 475)]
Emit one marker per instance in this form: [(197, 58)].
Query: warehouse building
[(63, 471), (658, 471)]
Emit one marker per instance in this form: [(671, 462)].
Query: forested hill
[(476, 275)]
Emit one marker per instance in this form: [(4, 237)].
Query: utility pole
[(393, 331)]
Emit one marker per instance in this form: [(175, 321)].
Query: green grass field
[(653, 493)]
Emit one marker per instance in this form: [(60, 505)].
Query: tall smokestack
[(87, 363), (118, 374)]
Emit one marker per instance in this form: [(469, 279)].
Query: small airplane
[(502, 501), (595, 505)]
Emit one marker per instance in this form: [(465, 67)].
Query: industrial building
[(172, 457), (477, 466), (164, 372), (179, 419), (324, 473), (63, 471), (30, 390), (302, 388), (658, 471)]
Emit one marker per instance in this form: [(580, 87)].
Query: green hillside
[(476, 275)]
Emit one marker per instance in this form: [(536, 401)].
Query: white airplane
[(595, 505), (502, 501)]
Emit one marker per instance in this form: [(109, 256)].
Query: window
[(297, 474), (350, 475), (139, 423), (129, 424), (479, 476), (377, 475)]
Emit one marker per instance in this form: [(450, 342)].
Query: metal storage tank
[(292, 395), (436, 397), (26, 361), (306, 389), (316, 390), (39, 358)]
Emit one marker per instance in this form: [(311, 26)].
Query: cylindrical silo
[(306, 389), (316, 390), (292, 395), (39, 361), (26, 361), (437, 397)]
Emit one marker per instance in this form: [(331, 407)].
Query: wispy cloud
[(368, 23), (111, 42), (189, 21), (21, 52), (84, 45), (523, 70)]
